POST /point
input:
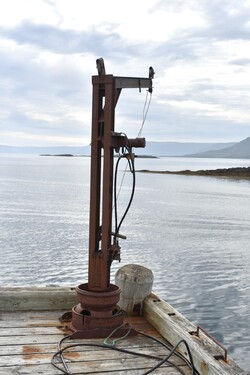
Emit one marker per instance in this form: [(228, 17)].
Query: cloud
[(61, 41), (199, 51), (221, 20), (241, 62), (42, 93)]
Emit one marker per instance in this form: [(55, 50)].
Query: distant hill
[(240, 150), (152, 148), (81, 150), (178, 148)]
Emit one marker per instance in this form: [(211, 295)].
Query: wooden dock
[(30, 330), (29, 339)]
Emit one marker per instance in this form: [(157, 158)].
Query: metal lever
[(119, 235)]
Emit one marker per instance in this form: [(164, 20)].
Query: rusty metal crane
[(97, 313)]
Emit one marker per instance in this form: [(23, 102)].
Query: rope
[(145, 111)]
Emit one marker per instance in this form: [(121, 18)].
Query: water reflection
[(193, 232)]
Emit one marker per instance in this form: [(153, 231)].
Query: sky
[(199, 49)]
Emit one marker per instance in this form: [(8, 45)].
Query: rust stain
[(65, 329), (42, 317), (41, 325), (71, 355), (32, 352)]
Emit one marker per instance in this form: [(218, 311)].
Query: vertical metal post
[(103, 113), (97, 314)]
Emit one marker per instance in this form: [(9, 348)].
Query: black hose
[(173, 351), (132, 170)]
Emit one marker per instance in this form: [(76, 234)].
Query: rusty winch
[(97, 314)]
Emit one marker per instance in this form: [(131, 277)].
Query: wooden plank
[(51, 348), (86, 361), (129, 366), (29, 315), (47, 322), (29, 336), (175, 327), (29, 339), (48, 344), (37, 298), (90, 359), (10, 342), (33, 354), (44, 339), (78, 369), (33, 331)]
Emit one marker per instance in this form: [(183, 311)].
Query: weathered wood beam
[(174, 327), (37, 298)]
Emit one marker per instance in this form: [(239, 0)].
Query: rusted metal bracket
[(196, 333), (115, 252), (119, 140)]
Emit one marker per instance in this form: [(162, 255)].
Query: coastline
[(89, 156), (236, 173)]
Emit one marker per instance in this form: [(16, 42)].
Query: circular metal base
[(96, 311)]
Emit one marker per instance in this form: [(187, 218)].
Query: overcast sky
[(200, 51)]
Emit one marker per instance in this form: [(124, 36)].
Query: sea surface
[(192, 231)]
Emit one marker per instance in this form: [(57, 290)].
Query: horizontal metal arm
[(132, 82), (121, 140)]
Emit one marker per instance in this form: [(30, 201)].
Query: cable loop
[(58, 356), (114, 341)]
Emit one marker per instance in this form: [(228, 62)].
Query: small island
[(116, 155), (236, 173)]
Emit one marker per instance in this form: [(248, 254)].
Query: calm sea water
[(193, 232)]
